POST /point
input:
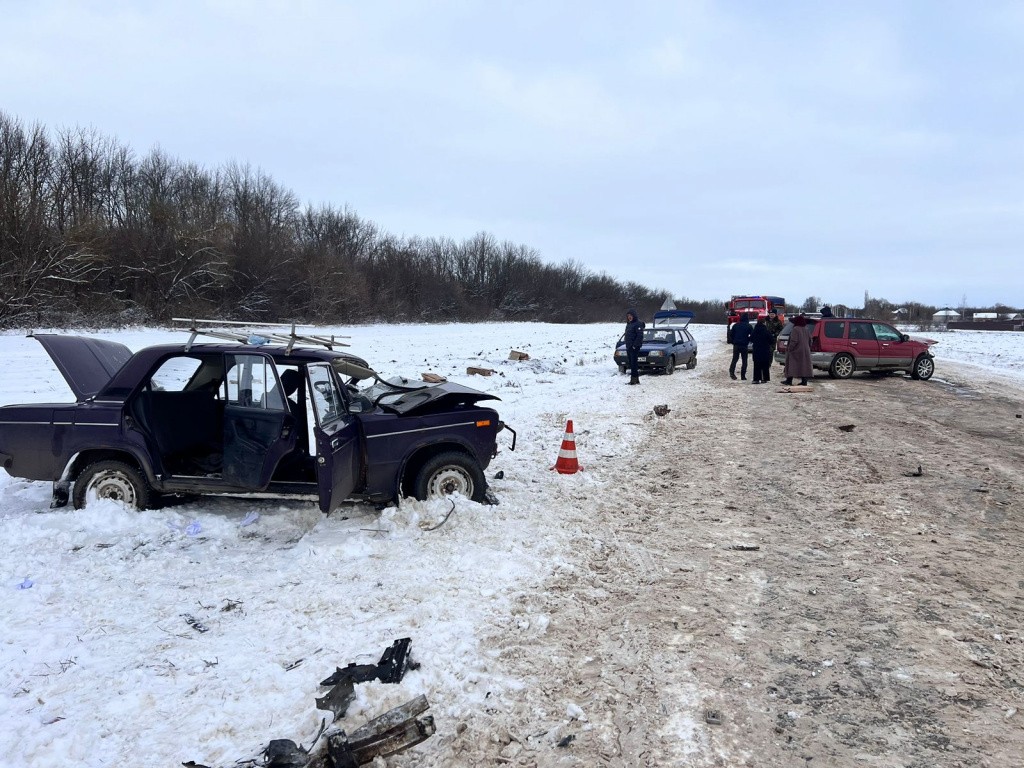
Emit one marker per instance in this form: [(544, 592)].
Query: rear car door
[(831, 338), (258, 427), (893, 352), (336, 433), (862, 345)]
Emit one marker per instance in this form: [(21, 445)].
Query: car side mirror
[(904, 337)]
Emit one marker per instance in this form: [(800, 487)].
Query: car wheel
[(670, 366), (115, 480), (843, 366), (449, 473), (622, 369), (691, 363), (923, 368)]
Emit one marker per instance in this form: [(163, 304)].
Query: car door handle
[(853, 343)]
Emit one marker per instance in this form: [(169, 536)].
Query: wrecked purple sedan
[(270, 417)]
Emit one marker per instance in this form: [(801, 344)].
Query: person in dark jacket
[(826, 311), (763, 341), (740, 340), (634, 340)]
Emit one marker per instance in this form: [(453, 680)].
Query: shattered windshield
[(658, 336)]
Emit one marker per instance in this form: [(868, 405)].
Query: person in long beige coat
[(798, 353)]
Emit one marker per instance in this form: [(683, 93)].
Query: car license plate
[(641, 359)]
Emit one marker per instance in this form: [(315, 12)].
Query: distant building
[(986, 316), (945, 315)]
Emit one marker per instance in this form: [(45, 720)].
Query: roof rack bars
[(257, 335)]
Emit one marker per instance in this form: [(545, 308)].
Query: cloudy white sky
[(708, 148)]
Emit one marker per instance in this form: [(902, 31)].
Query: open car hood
[(672, 318), (86, 364), (444, 395)]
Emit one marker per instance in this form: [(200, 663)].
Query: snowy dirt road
[(832, 606)]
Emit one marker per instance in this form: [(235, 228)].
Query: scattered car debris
[(474, 371), (515, 354), (713, 717), (847, 427), (499, 475), (193, 622), (745, 547), (391, 668), (435, 527), (796, 389), (914, 474), (433, 378), (661, 410), (394, 731), (565, 741)]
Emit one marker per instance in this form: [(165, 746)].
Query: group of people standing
[(761, 339)]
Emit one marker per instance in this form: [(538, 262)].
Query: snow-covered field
[(101, 668)]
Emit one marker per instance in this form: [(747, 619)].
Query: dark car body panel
[(213, 431), (87, 364), (447, 394)]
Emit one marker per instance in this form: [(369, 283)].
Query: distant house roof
[(900, 311), (945, 313), (986, 315)]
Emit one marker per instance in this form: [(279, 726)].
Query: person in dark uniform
[(740, 340), (763, 341), (773, 323), (634, 340)]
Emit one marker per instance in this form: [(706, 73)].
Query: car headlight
[(656, 353), (620, 353)]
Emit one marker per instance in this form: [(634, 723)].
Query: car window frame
[(875, 325)]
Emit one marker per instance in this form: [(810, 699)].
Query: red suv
[(844, 345)]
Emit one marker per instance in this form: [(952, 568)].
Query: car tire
[(842, 367), (111, 479), (448, 473), (691, 363), (924, 367), (670, 366), (622, 369)]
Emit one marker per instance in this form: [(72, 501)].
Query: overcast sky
[(707, 148)]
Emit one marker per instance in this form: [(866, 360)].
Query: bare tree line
[(92, 234)]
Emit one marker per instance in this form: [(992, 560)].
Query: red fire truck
[(753, 307)]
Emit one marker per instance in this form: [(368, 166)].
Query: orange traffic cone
[(566, 463)]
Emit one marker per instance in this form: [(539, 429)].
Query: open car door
[(258, 426), (336, 435)]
